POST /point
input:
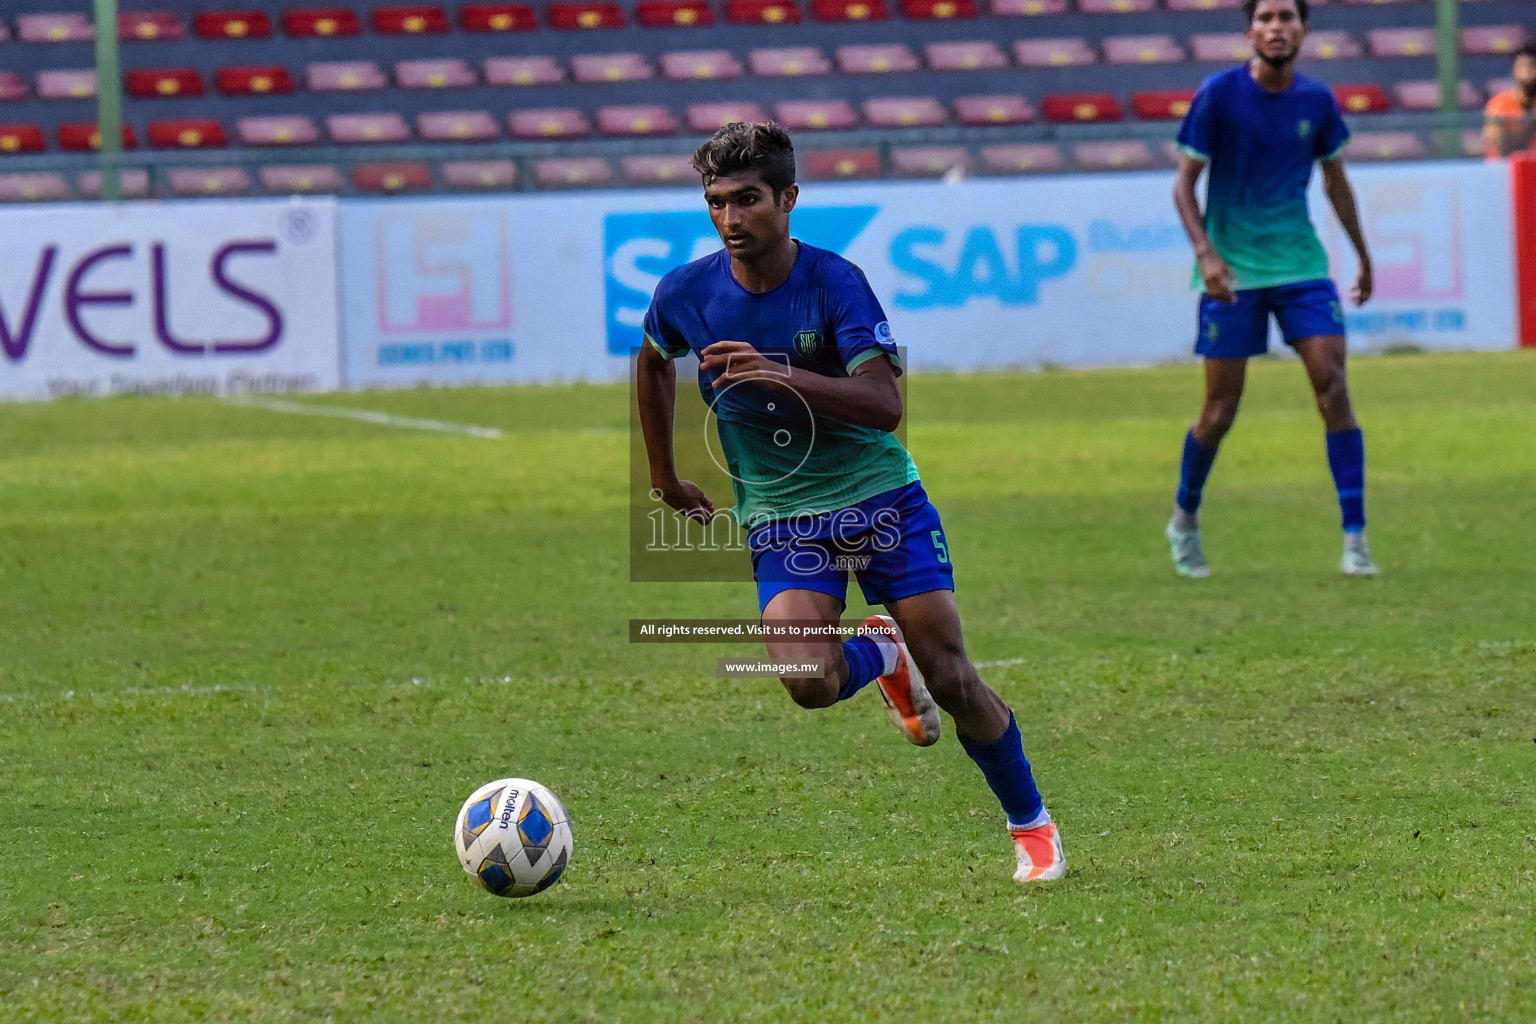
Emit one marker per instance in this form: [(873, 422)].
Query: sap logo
[(640, 248), (979, 267), (442, 271), (80, 297)]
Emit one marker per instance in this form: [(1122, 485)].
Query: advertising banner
[(211, 297)]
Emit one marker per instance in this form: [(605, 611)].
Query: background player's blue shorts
[(893, 542), (1306, 309)]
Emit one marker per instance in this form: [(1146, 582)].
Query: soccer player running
[(797, 362), (1259, 128)]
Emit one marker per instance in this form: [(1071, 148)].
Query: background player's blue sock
[(1193, 469), (865, 661), (1007, 770), (1346, 458)]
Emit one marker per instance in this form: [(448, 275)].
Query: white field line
[(1001, 664), (366, 416)]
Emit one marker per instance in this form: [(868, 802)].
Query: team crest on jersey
[(807, 342), (1304, 128)]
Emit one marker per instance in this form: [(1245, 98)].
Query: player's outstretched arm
[(869, 398), (1342, 195), (1213, 269), (656, 392)]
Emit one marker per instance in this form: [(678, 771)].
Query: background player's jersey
[(785, 460), (1260, 147)]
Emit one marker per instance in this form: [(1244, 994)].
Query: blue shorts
[(893, 542), (1307, 309)]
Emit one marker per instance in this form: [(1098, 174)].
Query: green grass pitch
[(251, 663)]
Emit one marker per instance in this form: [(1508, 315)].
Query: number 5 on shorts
[(940, 546)]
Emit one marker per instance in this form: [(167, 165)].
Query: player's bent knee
[(955, 686), (811, 692)]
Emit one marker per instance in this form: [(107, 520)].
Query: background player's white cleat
[(907, 700), (1041, 858), (1357, 557), (1188, 552)]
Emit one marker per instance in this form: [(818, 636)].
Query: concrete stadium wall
[(229, 296)]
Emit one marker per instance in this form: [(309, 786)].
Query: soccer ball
[(513, 836)]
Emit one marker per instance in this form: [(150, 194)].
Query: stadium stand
[(622, 91)]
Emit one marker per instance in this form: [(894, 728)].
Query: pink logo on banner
[(1414, 227), (442, 272)]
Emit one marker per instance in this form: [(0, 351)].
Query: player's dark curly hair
[(1303, 10), (761, 146)]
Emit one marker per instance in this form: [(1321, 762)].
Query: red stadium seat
[(1425, 95), (288, 178), (1142, 50), (1164, 105), (937, 10), (208, 181), (1204, 5), (636, 119), (699, 65), (479, 174), (84, 137), (1330, 45), (1124, 155), (1069, 51), (132, 183), (54, 28), (409, 21), (1385, 146), (1362, 99), (611, 67), (1493, 40), (1023, 158), (548, 123), (12, 87), (572, 172), (707, 117), (197, 133), (1223, 46), (843, 163), (762, 12), (66, 84), (1076, 108), (1400, 42), (383, 127), (673, 13), (1116, 6), (395, 176), (458, 126), (277, 130), (22, 138), (150, 26), (876, 59), (512, 71), (789, 62), (262, 80), (977, 56), (498, 18), (165, 82), (44, 187), (904, 112), (930, 161), (232, 25), (850, 10), (804, 114), (344, 76), (320, 23), (443, 73), (1028, 8), (1001, 109), (660, 170), (596, 14)]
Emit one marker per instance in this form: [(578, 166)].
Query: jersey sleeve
[(863, 332), (1333, 132), (1197, 135), (659, 334)]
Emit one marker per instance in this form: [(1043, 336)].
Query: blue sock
[(1007, 771), (865, 661), (1346, 458), (1194, 468)]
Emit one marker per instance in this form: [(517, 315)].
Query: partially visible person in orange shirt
[(1508, 123)]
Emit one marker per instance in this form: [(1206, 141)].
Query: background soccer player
[(798, 364), (1509, 126), (1259, 128)]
